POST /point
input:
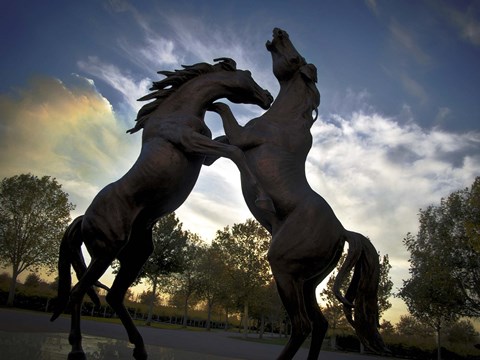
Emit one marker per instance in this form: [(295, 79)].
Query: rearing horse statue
[(307, 238), (118, 223)]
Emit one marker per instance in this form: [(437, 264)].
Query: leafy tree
[(448, 237), (461, 332), (34, 213), (445, 261), (385, 285), (467, 267), (32, 280), (411, 326), (431, 294), (386, 328), (244, 247), (268, 306), (186, 284), (211, 278), (147, 297), (472, 223)]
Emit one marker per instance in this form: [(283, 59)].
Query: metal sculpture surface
[(118, 223), (307, 238)]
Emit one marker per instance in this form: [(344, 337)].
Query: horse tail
[(71, 256), (360, 303)]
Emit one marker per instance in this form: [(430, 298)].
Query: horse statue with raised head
[(118, 223), (307, 237)]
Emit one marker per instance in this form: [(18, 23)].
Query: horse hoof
[(77, 355), (140, 354), (265, 203)]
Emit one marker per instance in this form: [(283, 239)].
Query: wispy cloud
[(203, 41), (373, 6), (405, 40), (130, 88), (466, 22), (413, 87), (154, 53)]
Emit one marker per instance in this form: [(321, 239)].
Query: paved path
[(30, 335)]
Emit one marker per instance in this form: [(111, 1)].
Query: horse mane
[(174, 80)]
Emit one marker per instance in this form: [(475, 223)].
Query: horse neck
[(293, 99), (196, 95)]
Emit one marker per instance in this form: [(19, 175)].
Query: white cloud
[(377, 174), (67, 131)]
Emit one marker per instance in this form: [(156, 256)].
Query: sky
[(398, 125)]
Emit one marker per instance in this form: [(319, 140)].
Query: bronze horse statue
[(307, 238), (118, 223)]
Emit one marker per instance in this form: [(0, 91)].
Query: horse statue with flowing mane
[(118, 223), (307, 237)]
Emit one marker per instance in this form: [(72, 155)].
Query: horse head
[(245, 89), (286, 59), (287, 63)]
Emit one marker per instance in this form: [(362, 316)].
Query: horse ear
[(309, 71)]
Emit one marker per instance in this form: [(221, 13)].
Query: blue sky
[(398, 123)]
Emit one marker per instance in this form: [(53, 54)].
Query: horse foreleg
[(198, 143), (231, 126)]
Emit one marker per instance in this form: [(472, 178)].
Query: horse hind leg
[(97, 267), (291, 294), (319, 322), (131, 258)]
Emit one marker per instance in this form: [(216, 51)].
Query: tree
[(462, 332), (32, 280), (451, 231), (386, 328), (34, 213), (411, 326), (472, 223), (186, 284), (445, 261), (468, 270), (268, 306), (211, 278), (244, 247), (431, 294), (385, 286)]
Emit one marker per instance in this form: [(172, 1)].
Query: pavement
[(26, 335)]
